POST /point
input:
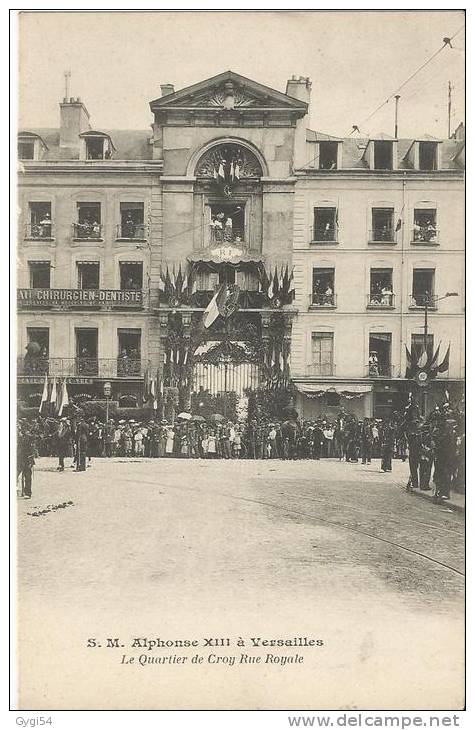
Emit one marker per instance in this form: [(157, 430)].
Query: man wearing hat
[(63, 442)]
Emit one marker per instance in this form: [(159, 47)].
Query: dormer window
[(328, 159), (26, 150), (383, 155), (30, 146), (97, 146), (428, 156)]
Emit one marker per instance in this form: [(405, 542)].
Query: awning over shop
[(347, 390), (226, 253)]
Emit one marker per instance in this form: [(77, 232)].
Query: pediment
[(228, 91)]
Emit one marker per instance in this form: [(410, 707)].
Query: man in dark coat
[(366, 443), (413, 433), (63, 442), (387, 445), (25, 460), (82, 432)]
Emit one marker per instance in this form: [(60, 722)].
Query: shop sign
[(79, 297)]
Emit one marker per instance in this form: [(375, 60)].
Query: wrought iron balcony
[(321, 369), (386, 234), (219, 236), (322, 300), (81, 298), (88, 231), (379, 370), (89, 367), (132, 231), (380, 301), (324, 234), (425, 235), (419, 301), (40, 231)]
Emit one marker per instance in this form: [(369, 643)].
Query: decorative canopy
[(227, 254), (347, 390)]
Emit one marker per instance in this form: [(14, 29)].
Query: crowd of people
[(434, 447)]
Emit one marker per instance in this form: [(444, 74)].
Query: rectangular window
[(328, 155), (129, 347), (227, 223), (417, 346), (425, 229), (322, 353), (37, 351), (88, 274), (38, 341), (132, 220), (86, 351), (383, 155), (131, 275), (381, 288), (40, 274), (382, 224), (323, 288), (379, 361), (89, 221), (40, 220), (324, 224), (428, 156), (423, 287), (26, 150), (95, 148)]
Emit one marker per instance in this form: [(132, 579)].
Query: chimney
[(300, 88), (167, 89), (74, 119)]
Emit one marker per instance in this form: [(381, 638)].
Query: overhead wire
[(445, 44)]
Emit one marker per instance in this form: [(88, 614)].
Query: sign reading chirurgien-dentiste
[(240, 369), (86, 297)]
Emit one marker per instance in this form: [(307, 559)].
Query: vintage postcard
[(240, 361)]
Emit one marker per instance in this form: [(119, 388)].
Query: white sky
[(355, 60)]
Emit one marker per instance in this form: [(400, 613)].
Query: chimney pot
[(167, 89)]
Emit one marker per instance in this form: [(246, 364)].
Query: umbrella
[(216, 417), (185, 416), (198, 419)]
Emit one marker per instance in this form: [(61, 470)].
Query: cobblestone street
[(191, 548)]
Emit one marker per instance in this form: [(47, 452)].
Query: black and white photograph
[(239, 244)]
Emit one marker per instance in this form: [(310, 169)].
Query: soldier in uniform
[(82, 433), (387, 445), (413, 434), (366, 443), (25, 460), (426, 458)]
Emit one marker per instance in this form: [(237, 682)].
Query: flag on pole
[(271, 286), (444, 365), (212, 312), (53, 396), (64, 398), (422, 362), (44, 395)]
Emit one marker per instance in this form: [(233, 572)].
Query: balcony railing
[(132, 231), (88, 367), (382, 235), (89, 231), (324, 234), (379, 370), (420, 300), (425, 235), (223, 235), (322, 300), (321, 369), (81, 298), (380, 301), (39, 231)]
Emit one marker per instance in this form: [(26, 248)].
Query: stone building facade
[(323, 246)]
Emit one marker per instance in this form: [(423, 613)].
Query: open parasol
[(185, 416)]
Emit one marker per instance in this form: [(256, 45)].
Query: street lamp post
[(107, 393)]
